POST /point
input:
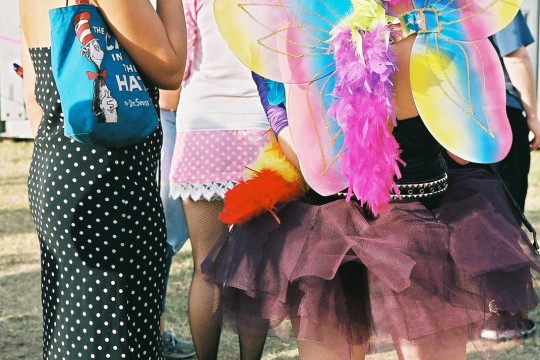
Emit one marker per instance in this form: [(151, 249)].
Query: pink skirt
[(411, 273), (206, 164)]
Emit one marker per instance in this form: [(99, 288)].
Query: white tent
[(13, 121)]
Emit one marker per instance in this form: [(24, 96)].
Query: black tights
[(205, 317)]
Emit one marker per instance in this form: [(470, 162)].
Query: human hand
[(533, 122)]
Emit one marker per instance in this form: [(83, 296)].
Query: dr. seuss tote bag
[(104, 100)]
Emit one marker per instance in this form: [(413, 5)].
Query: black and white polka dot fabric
[(102, 234)]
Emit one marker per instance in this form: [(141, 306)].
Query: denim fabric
[(177, 230), (175, 219)]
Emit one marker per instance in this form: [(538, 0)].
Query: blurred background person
[(221, 127), (175, 219), (521, 105)]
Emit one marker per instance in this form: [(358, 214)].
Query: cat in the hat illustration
[(104, 106)]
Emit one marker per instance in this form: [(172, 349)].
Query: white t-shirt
[(218, 91)]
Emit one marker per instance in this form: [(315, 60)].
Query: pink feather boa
[(363, 107)]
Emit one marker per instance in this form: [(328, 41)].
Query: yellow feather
[(272, 157)]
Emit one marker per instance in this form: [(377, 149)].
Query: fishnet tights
[(205, 316)]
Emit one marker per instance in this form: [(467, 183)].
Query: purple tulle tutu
[(410, 273)]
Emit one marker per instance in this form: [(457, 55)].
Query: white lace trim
[(206, 191)]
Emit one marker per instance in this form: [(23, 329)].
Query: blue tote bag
[(104, 99)]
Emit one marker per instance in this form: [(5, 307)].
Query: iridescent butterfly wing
[(456, 77), (287, 41)]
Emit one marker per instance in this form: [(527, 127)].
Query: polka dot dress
[(100, 224)]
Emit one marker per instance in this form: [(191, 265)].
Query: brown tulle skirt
[(411, 273)]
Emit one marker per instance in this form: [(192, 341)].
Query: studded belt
[(421, 190)]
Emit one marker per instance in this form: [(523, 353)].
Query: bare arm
[(155, 39), (168, 99), (33, 110), (520, 70)]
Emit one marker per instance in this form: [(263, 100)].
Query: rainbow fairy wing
[(251, 30), (469, 123), (281, 40), (318, 140), (287, 41), (471, 19), (456, 76)]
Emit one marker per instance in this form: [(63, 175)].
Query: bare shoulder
[(34, 15)]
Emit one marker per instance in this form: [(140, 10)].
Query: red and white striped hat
[(81, 23)]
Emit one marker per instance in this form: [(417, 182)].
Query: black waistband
[(421, 190)]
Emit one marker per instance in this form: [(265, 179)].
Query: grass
[(20, 305)]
